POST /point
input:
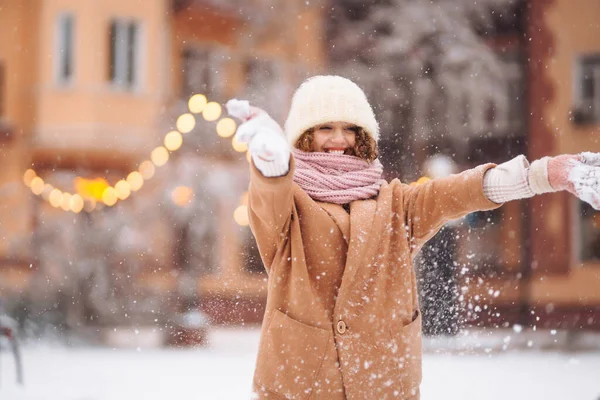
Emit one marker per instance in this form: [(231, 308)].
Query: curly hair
[(365, 146)]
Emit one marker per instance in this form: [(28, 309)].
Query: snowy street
[(224, 371)]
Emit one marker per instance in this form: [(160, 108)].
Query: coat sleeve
[(430, 205), (270, 205)]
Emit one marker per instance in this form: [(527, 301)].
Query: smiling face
[(335, 138)]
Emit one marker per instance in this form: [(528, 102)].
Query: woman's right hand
[(266, 140)]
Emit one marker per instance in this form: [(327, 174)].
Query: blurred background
[(123, 220)]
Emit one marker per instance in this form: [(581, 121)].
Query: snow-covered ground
[(224, 371)]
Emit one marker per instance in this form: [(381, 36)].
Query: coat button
[(341, 327)]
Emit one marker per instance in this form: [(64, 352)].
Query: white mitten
[(266, 141)]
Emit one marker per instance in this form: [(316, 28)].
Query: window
[(201, 72), (124, 62), (197, 74), (589, 233), (64, 48), (587, 90)]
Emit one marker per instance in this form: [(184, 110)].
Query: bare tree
[(424, 63)]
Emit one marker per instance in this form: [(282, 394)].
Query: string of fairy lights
[(92, 194)]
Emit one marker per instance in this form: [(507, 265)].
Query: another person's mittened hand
[(578, 174)]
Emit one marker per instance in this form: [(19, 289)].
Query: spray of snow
[(585, 177)]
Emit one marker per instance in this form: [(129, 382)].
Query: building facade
[(88, 91), (546, 248)]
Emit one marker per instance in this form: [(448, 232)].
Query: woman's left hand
[(578, 174)]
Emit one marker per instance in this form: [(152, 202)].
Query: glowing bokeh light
[(28, 177), (240, 215), (55, 198), (76, 203), (122, 189), (212, 111), (159, 156), (109, 197), (197, 103), (182, 195), (147, 169), (37, 185), (173, 140), (135, 180), (185, 123), (237, 146), (65, 202), (226, 127)]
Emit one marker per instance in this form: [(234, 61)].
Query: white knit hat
[(322, 99)]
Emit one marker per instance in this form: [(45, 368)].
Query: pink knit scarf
[(338, 179)]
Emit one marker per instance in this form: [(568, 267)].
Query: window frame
[(578, 236), (60, 63), (125, 66), (215, 69), (580, 102)]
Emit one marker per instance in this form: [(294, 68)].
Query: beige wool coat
[(342, 318)]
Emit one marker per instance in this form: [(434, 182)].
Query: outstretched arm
[(430, 205), (516, 179)]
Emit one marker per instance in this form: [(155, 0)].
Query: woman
[(342, 319)]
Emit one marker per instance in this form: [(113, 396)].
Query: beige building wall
[(575, 33), (86, 122), (19, 53), (90, 113), (562, 291)]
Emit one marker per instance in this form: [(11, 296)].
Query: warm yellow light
[(237, 146), (173, 140), (55, 198), (65, 202), (197, 103), (159, 156), (212, 111), (122, 189), (182, 195), (37, 185), (28, 177), (226, 127), (240, 215), (135, 180), (422, 180), (76, 203), (91, 188), (109, 197), (147, 169), (185, 123)]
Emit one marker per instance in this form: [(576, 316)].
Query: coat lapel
[(362, 219), (341, 218)]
